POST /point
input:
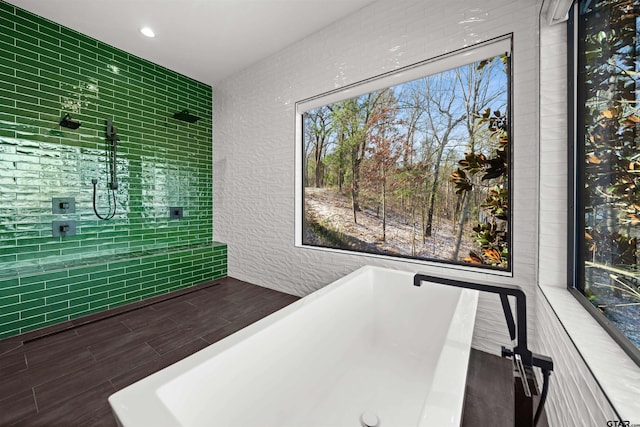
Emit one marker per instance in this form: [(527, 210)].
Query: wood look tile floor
[(64, 379)]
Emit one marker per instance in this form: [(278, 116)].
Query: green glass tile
[(26, 303), (35, 312), (57, 317), (164, 287), (27, 297), (73, 312), (124, 277), (124, 264), (143, 268), (4, 301), (100, 288), (27, 323), (114, 301), (48, 276), (33, 287), (38, 278), (88, 299), (7, 9), (55, 307), (108, 274), (66, 296), (8, 318), (138, 295), (86, 270), (120, 291), (9, 283), (84, 311)]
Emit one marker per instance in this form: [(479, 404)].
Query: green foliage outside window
[(609, 159)]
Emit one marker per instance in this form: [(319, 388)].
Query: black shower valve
[(63, 228), (175, 212), (63, 205)]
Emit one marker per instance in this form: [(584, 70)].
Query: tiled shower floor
[(64, 379)]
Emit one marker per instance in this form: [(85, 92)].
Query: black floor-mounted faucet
[(523, 359)]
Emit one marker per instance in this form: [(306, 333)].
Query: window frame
[(480, 51), (575, 244)]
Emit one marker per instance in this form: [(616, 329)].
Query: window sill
[(616, 373)]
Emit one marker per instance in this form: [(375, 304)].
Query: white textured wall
[(553, 155), (254, 140), (575, 398)]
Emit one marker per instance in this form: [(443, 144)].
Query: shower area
[(106, 177)]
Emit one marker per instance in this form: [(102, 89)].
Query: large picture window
[(418, 169), (607, 164)]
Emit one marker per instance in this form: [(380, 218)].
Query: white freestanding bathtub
[(368, 349)]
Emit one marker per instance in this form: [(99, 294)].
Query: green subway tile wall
[(46, 71)]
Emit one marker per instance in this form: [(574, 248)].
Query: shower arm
[(521, 349)]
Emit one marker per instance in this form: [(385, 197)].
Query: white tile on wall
[(575, 398), (254, 140), (553, 155)]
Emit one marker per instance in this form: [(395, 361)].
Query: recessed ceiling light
[(147, 32)]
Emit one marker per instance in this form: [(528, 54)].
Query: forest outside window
[(418, 169), (607, 165)]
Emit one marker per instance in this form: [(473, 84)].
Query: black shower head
[(185, 116), (67, 122)]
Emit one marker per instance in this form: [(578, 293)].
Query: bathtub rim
[(150, 410)]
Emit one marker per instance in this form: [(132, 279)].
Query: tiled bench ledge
[(48, 295)]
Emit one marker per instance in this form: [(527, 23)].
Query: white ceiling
[(207, 40)]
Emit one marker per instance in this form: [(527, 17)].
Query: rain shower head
[(67, 122), (185, 116)]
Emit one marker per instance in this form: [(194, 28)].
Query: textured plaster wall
[(254, 116)]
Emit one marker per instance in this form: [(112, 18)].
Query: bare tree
[(444, 114)]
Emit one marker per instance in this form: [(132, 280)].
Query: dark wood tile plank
[(48, 394), (10, 345), (116, 345), (17, 407), (489, 392), (62, 364), (11, 363), (129, 376), (12, 386), (141, 318), (73, 410), (179, 337)]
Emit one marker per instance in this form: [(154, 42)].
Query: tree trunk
[(355, 182), (434, 190), (318, 172), (384, 205), (463, 219)]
